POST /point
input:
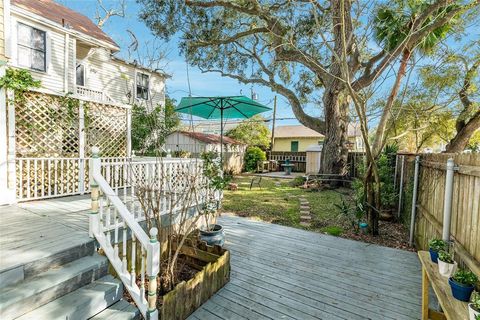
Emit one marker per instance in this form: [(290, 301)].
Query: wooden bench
[(453, 309)]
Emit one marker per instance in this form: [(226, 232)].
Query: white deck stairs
[(71, 284)]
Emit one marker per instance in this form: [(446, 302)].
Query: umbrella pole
[(221, 135)]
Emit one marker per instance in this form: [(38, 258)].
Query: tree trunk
[(335, 150), (460, 141)]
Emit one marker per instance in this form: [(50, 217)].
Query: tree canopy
[(252, 131)]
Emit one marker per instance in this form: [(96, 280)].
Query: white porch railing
[(116, 215), (92, 94), (41, 178), (109, 215)]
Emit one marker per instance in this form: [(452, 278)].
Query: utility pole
[(273, 124)]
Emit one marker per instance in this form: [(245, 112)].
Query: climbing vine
[(18, 80)]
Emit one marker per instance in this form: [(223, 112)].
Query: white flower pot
[(446, 269), (473, 313)]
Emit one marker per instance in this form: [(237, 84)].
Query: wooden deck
[(277, 272)]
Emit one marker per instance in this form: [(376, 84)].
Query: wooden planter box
[(188, 296)]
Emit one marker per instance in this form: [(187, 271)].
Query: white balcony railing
[(94, 95)]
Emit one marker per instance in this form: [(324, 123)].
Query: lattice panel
[(45, 127), (107, 129)]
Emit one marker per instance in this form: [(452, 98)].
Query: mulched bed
[(392, 234), (186, 273)]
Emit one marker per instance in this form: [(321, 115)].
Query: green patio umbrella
[(230, 107)]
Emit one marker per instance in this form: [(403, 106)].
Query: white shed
[(196, 142), (313, 158)]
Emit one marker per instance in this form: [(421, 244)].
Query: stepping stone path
[(305, 215)]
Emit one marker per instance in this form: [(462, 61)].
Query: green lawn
[(277, 201)]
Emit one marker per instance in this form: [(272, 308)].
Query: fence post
[(414, 200), (94, 167), (400, 191), (81, 148), (129, 132), (396, 173), (153, 268), (11, 172), (447, 205)]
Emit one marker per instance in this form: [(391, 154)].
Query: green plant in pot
[(435, 246), (462, 284), (446, 264), (474, 306)]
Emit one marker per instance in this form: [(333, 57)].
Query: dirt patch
[(392, 234)]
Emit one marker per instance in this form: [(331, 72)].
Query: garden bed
[(203, 270)]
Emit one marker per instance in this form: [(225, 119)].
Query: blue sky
[(202, 84)]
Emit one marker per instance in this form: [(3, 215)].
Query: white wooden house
[(69, 53), (71, 56)]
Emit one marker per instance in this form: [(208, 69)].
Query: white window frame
[(137, 73), (14, 44), (32, 49)]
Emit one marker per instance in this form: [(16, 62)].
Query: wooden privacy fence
[(298, 159), (433, 198)]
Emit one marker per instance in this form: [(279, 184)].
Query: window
[(142, 86), (32, 48), (294, 146), (80, 73)]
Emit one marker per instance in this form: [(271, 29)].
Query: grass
[(277, 201)]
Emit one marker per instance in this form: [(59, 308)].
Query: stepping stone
[(304, 224), (305, 218)]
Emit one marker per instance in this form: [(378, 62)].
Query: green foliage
[(465, 277), (333, 230), (18, 80), (475, 300), (437, 245), (212, 169), (151, 127), (393, 22), (252, 156), (252, 132), (180, 154), (298, 181), (353, 214), (445, 256)]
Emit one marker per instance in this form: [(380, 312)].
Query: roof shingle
[(58, 13)]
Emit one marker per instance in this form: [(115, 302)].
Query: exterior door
[(294, 146)]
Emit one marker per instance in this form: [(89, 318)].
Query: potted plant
[(474, 306), (446, 265), (434, 247), (462, 283), (213, 233)]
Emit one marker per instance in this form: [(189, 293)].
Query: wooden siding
[(53, 78), (284, 144), (117, 79), (2, 32)]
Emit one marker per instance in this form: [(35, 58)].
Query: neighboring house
[(297, 138), (70, 54), (197, 142)]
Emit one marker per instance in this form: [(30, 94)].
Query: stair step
[(36, 265), (82, 303), (122, 310), (22, 297)]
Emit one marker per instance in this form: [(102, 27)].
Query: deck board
[(277, 272), (286, 273)]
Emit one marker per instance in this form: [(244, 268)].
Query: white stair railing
[(109, 215)]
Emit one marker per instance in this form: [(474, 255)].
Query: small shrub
[(333, 230), (181, 154), (465, 277), (437, 245), (252, 156), (298, 181), (352, 214), (445, 257), (475, 300)]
